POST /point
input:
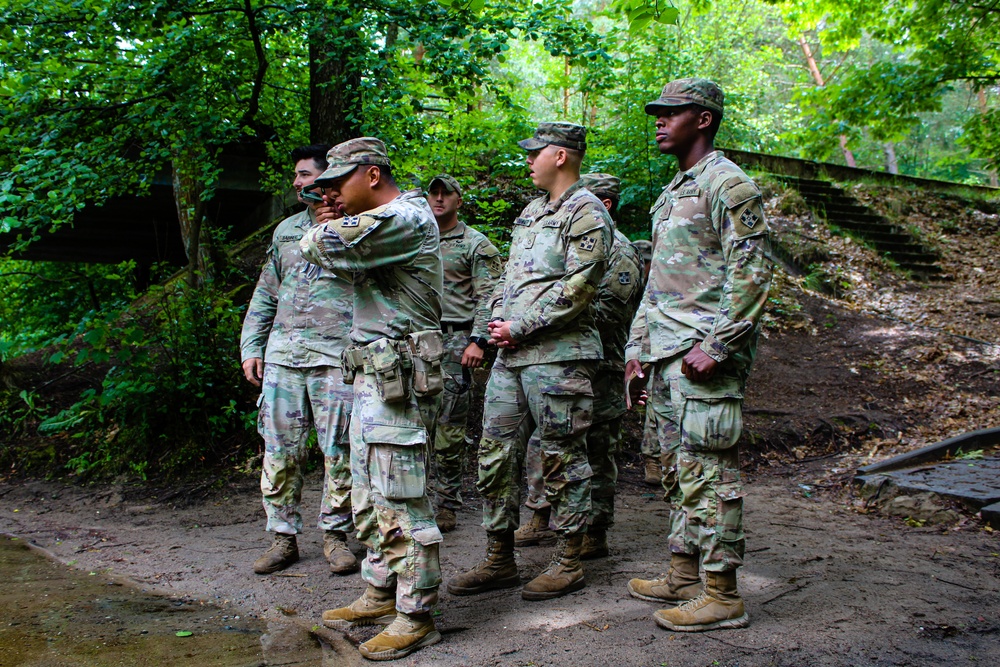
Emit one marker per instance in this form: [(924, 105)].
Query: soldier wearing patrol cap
[(295, 330), (472, 265), (614, 306), (549, 344), (387, 245), (695, 333)]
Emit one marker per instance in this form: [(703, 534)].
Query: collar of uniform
[(455, 232), (307, 218), (554, 206), (412, 194), (695, 171)]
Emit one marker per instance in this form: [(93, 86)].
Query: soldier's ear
[(561, 157), (374, 176), (607, 204)]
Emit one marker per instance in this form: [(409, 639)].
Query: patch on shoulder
[(743, 191), (352, 228), (748, 218), (588, 221)]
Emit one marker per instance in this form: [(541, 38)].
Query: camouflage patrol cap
[(567, 135), (448, 181), (349, 155), (645, 248), (687, 91), (605, 186)]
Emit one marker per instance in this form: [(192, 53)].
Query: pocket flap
[(386, 434)]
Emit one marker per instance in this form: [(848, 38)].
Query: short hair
[(575, 155), (315, 151), (614, 204), (713, 129), (385, 172)]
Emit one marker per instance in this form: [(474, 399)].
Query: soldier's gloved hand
[(635, 384), (698, 366), (253, 369)]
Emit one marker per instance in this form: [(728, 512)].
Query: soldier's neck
[(564, 180), (694, 155), (449, 224)]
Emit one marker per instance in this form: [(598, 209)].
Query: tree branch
[(258, 81)]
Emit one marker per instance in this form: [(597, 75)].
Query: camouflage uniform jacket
[(617, 299), (711, 267), (393, 255), (558, 256), (471, 267), (301, 315)]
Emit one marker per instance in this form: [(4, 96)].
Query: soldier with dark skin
[(544, 325), (295, 330), (387, 244), (694, 338)]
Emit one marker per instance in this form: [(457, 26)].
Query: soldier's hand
[(330, 210), (698, 366), (500, 334), (473, 356), (253, 369), (635, 384)]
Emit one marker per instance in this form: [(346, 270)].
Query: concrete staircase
[(841, 210)]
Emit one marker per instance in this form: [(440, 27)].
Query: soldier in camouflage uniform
[(650, 448), (544, 325), (616, 302), (697, 330), (387, 244), (471, 267), (301, 318)]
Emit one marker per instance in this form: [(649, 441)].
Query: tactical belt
[(452, 327), (359, 359)]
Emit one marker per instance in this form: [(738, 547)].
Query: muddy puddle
[(53, 615)]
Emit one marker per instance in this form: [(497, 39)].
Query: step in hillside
[(841, 210)]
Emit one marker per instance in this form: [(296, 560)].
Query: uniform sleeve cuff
[(714, 348)]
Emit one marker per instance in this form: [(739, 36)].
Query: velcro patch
[(290, 238), (523, 222), (588, 242), (624, 278), (748, 219), (740, 193), (352, 228)]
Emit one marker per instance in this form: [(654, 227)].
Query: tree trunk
[(891, 164), (983, 108), (336, 54), (191, 216), (818, 78)]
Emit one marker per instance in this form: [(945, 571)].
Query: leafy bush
[(170, 399)]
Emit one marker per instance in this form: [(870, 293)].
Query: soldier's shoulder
[(480, 243), (294, 225), (352, 228), (728, 182)]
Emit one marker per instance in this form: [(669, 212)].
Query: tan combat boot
[(497, 570), (446, 520), (653, 471), (720, 606), (536, 530), (408, 633), (595, 544), (340, 558), (376, 606), (563, 575), (679, 585), (283, 552)]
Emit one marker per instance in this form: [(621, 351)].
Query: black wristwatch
[(480, 341)]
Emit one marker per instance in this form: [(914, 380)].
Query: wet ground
[(57, 615)]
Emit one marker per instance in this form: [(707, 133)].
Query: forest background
[(97, 97)]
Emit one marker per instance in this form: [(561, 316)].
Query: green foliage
[(168, 402)]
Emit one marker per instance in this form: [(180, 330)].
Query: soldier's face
[(542, 166), (352, 194), (443, 203), (306, 171), (677, 129)]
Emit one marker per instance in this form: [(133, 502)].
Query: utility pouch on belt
[(350, 359), (388, 366), (427, 350)]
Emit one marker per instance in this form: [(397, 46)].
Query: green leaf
[(184, 633)]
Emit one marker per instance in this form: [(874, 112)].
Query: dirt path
[(825, 584)]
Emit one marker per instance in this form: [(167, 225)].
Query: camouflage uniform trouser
[(450, 426), (394, 516), (603, 438), (698, 425), (551, 403), (292, 401)]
